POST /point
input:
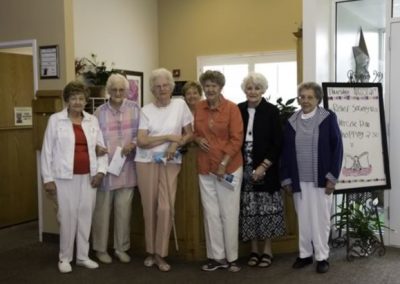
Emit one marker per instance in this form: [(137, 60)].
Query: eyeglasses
[(306, 98), (162, 87), (114, 91)]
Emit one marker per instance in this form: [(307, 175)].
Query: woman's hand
[(100, 151), (171, 150), (128, 148), (203, 144), (329, 188), (258, 173), (288, 189), (96, 180), (50, 187), (221, 171)]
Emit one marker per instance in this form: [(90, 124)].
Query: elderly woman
[(192, 94), (261, 208), (165, 125), (219, 134), (72, 171), (311, 161), (119, 121)]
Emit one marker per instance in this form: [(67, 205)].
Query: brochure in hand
[(228, 180)]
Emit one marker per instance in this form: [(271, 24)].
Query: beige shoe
[(64, 266), (88, 263), (103, 257), (122, 256)]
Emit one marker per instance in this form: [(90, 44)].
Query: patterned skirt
[(261, 213)]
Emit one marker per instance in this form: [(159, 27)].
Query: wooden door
[(18, 185)]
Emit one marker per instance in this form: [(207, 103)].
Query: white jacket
[(57, 157)]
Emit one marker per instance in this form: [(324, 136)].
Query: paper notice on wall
[(22, 116)]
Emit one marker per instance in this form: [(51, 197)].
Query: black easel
[(360, 247)]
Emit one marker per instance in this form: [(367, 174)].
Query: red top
[(81, 157)]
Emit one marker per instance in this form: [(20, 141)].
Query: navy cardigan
[(330, 152)]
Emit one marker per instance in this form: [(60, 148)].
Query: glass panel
[(282, 80), (234, 75), (396, 8), (351, 18)]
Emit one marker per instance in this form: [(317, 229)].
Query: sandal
[(162, 265), (254, 259), (265, 261)]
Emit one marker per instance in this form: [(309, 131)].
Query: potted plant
[(363, 225), (94, 73), (285, 109)]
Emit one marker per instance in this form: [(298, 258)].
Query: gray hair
[(257, 79), (161, 73), (213, 76), (114, 78), (311, 86)]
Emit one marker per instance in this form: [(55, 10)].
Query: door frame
[(32, 43), (389, 21)]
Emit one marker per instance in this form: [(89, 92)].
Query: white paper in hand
[(117, 162)]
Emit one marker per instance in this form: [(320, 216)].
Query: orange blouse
[(222, 127)]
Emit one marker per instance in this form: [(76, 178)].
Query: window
[(279, 68)]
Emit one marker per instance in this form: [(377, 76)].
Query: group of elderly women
[(243, 162)]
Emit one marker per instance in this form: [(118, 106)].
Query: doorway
[(18, 177)]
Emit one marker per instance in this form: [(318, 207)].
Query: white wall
[(317, 58), (121, 31)]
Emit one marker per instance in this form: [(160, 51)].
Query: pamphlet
[(228, 180), (117, 162)]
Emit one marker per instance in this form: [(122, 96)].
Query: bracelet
[(264, 165)]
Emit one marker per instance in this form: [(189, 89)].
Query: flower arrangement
[(94, 73)]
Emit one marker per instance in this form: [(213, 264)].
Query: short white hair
[(114, 78), (257, 79), (161, 73)]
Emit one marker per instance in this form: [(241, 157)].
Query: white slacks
[(221, 207), (76, 200), (121, 201), (313, 209)]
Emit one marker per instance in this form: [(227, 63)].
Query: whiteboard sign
[(361, 118)]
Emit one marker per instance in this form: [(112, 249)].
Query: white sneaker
[(122, 256), (104, 257), (64, 266), (88, 263)]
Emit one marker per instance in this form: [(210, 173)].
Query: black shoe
[(302, 262), (214, 265), (322, 266)]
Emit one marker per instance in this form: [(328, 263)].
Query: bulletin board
[(361, 117)]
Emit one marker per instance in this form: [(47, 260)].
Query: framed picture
[(49, 62), (135, 80)]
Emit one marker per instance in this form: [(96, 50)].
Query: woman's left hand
[(96, 180), (171, 150), (329, 188), (258, 173)]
